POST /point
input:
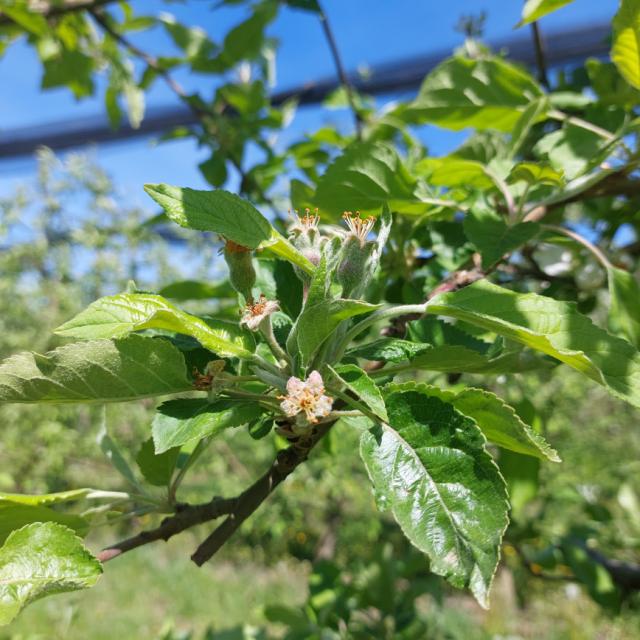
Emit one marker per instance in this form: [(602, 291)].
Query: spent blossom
[(306, 396), (254, 313)]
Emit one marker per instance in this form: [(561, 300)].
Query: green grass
[(148, 589)]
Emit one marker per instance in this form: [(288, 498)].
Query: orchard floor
[(156, 593)]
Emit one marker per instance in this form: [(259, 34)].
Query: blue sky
[(368, 32)]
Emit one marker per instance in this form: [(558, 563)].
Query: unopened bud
[(242, 275), (354, 271)]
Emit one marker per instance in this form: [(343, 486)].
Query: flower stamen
[(359, 227), (254, 313)]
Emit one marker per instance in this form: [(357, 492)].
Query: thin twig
[(202, 114), (596, 251), (541, 62), (342, 74), (186, 516)]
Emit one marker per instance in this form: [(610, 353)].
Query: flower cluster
[(308, 397), (255, 313)]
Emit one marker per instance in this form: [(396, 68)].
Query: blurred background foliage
[(313, 564)]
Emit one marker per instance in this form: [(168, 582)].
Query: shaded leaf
[(624, 314), (157, 468), (180, 421), (363, 387), (14, 515), (493, 237)]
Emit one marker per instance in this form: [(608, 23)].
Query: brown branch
[(249, 501), (186, 516), (237, 509), (52, 10), (342, 74)]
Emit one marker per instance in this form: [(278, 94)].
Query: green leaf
[(366, 176), (493, 237), (624, 314), (487, 93), (218, 211), (530, 116), (429, 466), (115, 316), (552, 327), (45, 498), (363, 387), (535, 9), (317, 322), (625, 52), (227, 214), (157, 468), (14, 515), (180, 421), (42, 559), (96, 371), (534, 174), (501, 424), (455, 172)]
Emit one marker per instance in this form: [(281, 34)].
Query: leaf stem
[(597, 252), (556, 114)]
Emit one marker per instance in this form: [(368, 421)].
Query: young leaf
[(115, 316), (42, 559), (14, 516), (227, 214), (493, 237), (218, 211), (179, 421), (625, 51), (95, 371), (625, 304), (535, 9), (157, 468), (487, 93), (362, 386), (553, 327), (430, 467), (317, 322)]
